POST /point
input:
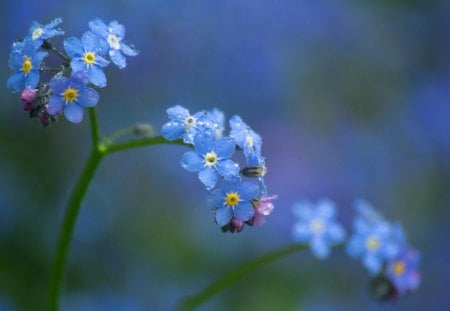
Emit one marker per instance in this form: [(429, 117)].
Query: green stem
[(67, 228), (95, 133), (148, 141), (196, 300)]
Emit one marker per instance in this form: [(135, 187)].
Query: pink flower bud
[(28, 95)]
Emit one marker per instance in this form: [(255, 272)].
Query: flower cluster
[(381, 246), (72, 85), (236, 202)]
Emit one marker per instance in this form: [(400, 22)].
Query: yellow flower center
[(37, 33), (27, 65), (399, 268), (70, 95), (232, 199), (211, 158), (372, 243), (89, 58), (317, 226), (113, 41)]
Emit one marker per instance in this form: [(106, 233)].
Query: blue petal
[(172, 130), (73, 47), (128, 50), (55, 104), (32, 79), (372, 263), (118, 58), (88, 97), (15, 60), (79, 80), (192, 161), (335, 233), (90, 41), (325, 209), (216, 199), (73, 113), (100, 61), (301, 232), (244, 211), (319, 248), (227, 168), (249, 191), (33, 26), (16, 82), (223, 216), (98, 27), (203, 143), (96, 76), (117, 29), (59, 85), (231, 185), (208, 176), (78, 65), (303, 210), (178, 113), (37, 58), (225, 147), (53, 23)]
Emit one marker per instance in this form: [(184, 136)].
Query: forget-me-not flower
[(374, 240), (71, 96), (211, 158), (39, 32), (111, 36), (246, 139), (86, 56), (317, 226), (233, 200), (402, 271), (217, 118), (184, 125), (24, 60)]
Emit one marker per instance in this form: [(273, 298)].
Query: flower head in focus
[(71, 96), (111, 38), (317, 226), (86, 55), (25, 61), (246, 139), (38, 32)]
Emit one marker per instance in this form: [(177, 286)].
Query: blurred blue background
[(352, 99)]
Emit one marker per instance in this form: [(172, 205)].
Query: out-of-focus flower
[(25, 62), (317, 226), (71, 96), (233, 200), (402, 271), (86, 56), (111, 36), (211, 158), (38, 32)]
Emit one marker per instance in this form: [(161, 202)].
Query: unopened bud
[(28, 95)]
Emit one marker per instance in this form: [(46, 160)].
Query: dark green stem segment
[(67, 228), (190, 303)]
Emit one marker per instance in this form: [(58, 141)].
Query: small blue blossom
[(374, 240), (218, 119), (25, 62), (317, 226), (39, 32), (246, 139), (184, 125), (211, 158), (71, 96), (86, 56), (111, 37), (402, 271), (233, 201)]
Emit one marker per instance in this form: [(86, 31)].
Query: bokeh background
[(351, 97)]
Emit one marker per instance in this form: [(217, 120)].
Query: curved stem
[(67, 228), (135, 143), (194, 301)]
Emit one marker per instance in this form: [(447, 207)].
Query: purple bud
[(28, 106), (28, 95), (237, 224)]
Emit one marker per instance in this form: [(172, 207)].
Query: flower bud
[(28, 95)]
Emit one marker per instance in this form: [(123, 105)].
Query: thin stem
[(67, 228), (196, 300), (148, 141), (95, 133)]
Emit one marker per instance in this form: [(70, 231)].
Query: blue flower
[(246, 139), (211, 158), (184, 125), (402, 271), (25, 62), (233, 200), (86, 56), (38, 32), (317, 226), (374, 240), (218, 120), (71, 96), (111, 37)]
